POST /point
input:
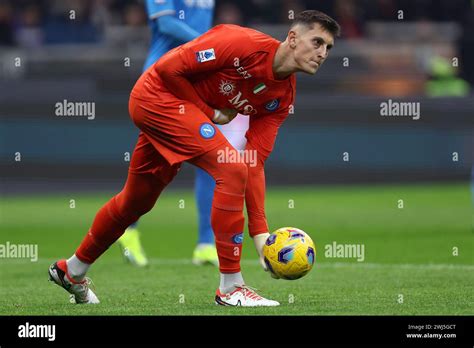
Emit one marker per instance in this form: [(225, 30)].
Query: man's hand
[(259, 241), (224, 116)]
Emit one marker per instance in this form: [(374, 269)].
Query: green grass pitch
[(418, 259)]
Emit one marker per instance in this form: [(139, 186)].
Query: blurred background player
[(172, 23)]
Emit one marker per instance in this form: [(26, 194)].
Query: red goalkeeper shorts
[(177, 129)]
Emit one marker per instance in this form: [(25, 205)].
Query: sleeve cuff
[(258, 228)]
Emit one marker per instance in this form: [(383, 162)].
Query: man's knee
[(165, 174), (134, 206), (233, 178), (139, 195), (241, 174)]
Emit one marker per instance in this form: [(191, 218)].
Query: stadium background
[(48, 160)]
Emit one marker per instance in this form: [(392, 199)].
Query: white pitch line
[(427, 266), (354, 264), (330, 265)]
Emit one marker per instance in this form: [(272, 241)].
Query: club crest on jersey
[(207, 131), (272, 105), (206, 55), (226, 88)]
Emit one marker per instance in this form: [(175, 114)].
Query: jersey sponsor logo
[(272, 105), (205, 55), (238, 238), (242, 105), (227, 88), (207, 131), (244, 73), (241, 69)]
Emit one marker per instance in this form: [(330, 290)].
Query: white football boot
[(80, 291), (243, 296)]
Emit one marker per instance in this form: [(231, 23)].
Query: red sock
[(227, 220), (107, 227), (136, 199)]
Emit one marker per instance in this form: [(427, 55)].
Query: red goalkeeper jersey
[(228, 67)]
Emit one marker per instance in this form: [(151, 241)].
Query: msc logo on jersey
[(226, 88), (272, 105), (206, 55), (207, 131)]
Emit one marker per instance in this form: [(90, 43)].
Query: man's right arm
[(172, 71), (211, 52)]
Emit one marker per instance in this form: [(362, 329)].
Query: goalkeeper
[(176, 104)]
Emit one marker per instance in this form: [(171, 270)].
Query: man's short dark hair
[(311, 17)]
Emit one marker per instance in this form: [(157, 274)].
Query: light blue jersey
[(172, 23), (196, 14)]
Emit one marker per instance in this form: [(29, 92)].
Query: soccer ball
[(289, 253)]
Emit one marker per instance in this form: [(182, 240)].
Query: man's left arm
[(260, 141)]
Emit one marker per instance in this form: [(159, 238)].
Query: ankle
[(230, 282), (76, 269)]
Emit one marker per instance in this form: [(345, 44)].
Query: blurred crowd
[(29, 23)]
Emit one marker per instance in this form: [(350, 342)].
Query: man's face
[(311, 47)]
